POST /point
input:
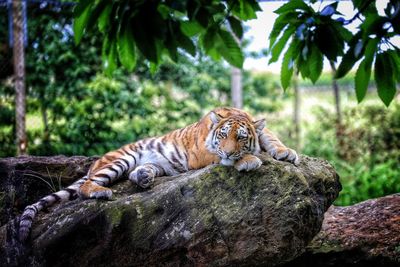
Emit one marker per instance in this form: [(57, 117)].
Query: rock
[(26, 179), (214, 216), (365, 234)]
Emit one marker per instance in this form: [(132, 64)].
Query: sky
[(260, 28)]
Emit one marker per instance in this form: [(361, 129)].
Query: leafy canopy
[(155, 29), (311, 35)]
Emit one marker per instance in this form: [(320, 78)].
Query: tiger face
[(233, 137)]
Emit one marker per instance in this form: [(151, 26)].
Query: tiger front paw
[(287, 154), (143, 177), (248, 163)]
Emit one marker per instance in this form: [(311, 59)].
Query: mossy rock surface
[(215, 216)]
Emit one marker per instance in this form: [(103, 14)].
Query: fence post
[(19, 75)]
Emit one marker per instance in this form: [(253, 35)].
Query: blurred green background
[(73, 108)]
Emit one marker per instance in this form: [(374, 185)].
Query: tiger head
[(232, 137)]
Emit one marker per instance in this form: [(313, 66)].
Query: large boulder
[(214, 216), (365, 234)]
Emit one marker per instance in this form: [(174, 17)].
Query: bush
[(366, 153)]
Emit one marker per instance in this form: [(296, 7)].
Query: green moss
[(225, 187), (114, 215), (326, 247)]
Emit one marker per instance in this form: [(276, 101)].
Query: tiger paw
[(142, 176), (105, 193), (91, 190), (287, 154), (248, 163)]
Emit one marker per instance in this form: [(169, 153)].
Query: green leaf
[(316, 63), (171, 44), (105, 49), (246, 9), (280, 44), (385, 79), (214, 54), (164, 10), (395, 62), (81, 21), (344, 33), (230, 49), (370, 50), (294, 5), (203, 17), (349, 58), (361, 80), (126, 48), (367, 7), (372, 24), (208, 39), (329, 41), (363, 73), (81, 7), (279, 25), (288, 64), (190, 28), (145, 41), (111, 63), (303, 67), (254, 4), (236, 26), (104, 18), (186, 43), (95, 13), (172, 48)]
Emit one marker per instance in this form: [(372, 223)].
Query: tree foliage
[(73, 108), (310, 35), (155, 29)]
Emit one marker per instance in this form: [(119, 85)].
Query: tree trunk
[(19, 76), (336, 94), (236, 87), (296, 113), (46, 130), (339, 127), (236, 83)]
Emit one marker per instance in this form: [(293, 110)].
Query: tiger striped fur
[(227, 136)]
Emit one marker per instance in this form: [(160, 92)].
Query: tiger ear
[(259, 125), (214, 117)]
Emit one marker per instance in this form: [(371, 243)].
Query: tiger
[(226, 136)]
